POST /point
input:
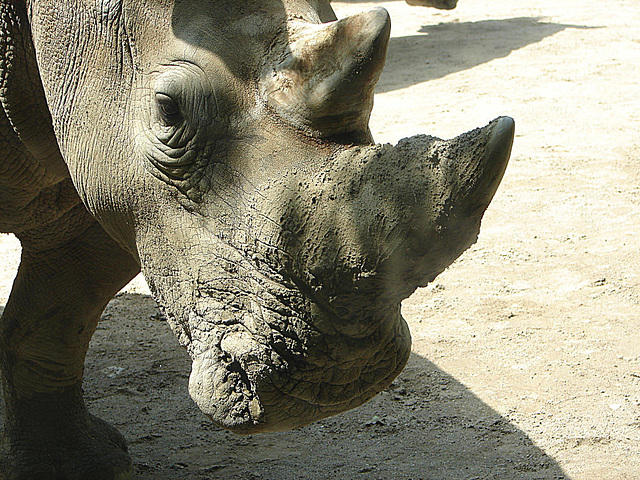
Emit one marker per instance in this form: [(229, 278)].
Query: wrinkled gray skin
[(223, 148)]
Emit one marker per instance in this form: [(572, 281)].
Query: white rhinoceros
[(223, 148)]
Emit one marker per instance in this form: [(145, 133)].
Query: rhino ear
[(324, 83), (21, 92)]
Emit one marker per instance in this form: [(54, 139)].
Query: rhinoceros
[(222, 148)]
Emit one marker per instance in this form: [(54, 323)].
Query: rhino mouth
[(275, 371)]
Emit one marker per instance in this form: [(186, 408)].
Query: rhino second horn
[(324, 83)]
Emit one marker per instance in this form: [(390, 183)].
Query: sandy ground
[(526, 357)]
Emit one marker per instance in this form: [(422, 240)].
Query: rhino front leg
[(68, 273)]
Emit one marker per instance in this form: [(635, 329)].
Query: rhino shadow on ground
[(427, 425), (446, 48)]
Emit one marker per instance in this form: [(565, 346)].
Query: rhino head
[(226, 146)]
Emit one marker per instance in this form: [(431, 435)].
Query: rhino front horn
[(324, 79)]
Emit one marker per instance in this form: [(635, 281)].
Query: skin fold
[(223, 149)]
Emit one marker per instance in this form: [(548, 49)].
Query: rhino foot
[(81, 450)]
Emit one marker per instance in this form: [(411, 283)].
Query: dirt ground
[(526, 357)]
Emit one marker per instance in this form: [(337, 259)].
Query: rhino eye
[(168, 109)]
